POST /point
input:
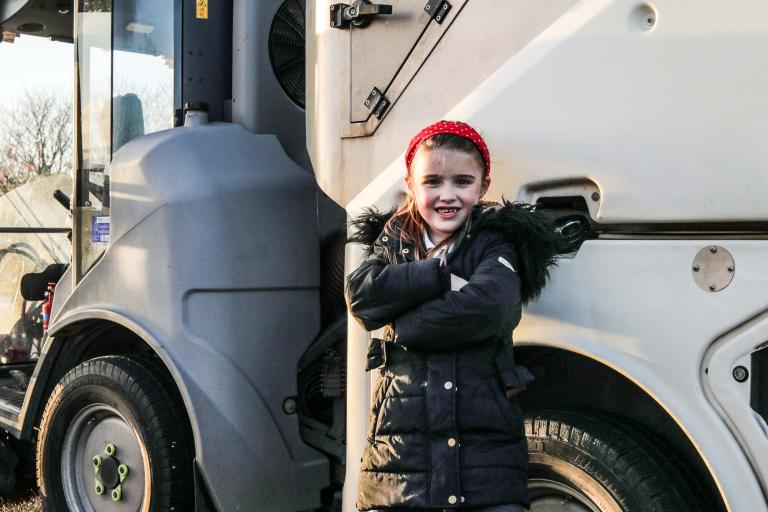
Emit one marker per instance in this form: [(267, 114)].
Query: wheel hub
[(103, 463), (108, 472), (550, 496)]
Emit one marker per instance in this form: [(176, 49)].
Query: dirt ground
[(22, 504)]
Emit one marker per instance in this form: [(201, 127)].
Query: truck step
[(11, 397)]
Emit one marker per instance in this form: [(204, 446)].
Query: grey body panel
[(213, 260), (258, 101), (9, 8)]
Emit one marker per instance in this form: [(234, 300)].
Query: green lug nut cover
[(117, 493), (110, 449), (122, 470), (96, 462), (99, 488)]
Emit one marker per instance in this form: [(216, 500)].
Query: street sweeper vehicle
[(197, 354)]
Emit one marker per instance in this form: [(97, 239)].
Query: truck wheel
[(114, 437), (593, 463)]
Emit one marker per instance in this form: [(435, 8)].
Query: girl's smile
[(446, 184)]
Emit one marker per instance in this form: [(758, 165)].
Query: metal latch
[(438, 10), (359, 14), (377, 103)]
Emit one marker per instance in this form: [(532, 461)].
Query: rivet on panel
[(740, 374), (643, 18)]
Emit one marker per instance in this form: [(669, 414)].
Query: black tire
[(115, 397), (596, 463)]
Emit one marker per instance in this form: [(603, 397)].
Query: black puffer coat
[(442, 433)]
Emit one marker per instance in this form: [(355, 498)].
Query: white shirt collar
[(428, 244)]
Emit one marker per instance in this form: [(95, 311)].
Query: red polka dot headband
[(454, 127)]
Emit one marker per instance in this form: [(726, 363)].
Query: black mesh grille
[(286, 48), (759, 388)]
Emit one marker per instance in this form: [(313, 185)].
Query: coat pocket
[(508, 408), (514, 377)]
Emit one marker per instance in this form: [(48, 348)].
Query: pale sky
[(35, 63)]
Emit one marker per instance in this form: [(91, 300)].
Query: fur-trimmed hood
[(531, 230)]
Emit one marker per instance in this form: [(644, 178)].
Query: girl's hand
[(457, 283)]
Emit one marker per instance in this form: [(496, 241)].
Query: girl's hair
[(407, 214)]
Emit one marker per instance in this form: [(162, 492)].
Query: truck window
[(143, 63), (35, 160), (94, 95)]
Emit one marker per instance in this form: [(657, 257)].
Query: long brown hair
[(407, 216)]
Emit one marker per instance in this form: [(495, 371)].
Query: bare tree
[(35, 138)]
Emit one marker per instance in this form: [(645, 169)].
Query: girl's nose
[(447, 193)]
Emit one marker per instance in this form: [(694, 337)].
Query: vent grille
[(286, 48)]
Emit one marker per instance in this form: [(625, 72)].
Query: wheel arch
[(87, 335), (571, 380)]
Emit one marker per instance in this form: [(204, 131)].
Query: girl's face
[(446, 184)]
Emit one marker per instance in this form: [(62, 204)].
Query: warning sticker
[(201, 9), (100, 229)]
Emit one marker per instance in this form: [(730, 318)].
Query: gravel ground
[(20, 505)]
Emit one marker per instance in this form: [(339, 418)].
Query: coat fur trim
[(531, 230), (367, 227)]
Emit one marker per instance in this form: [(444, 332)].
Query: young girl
[(447, 275)]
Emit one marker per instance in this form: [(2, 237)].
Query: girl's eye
[(463, 181), (432, 181)]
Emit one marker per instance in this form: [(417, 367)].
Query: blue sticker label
[(100, 229)]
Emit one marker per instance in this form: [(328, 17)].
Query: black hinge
[(337, 16), (438, 9), (377, 103), (359, 14)]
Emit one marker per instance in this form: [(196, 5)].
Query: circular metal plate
[(713, 268), (90, 432)]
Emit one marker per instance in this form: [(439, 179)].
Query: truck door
[(126, 87), (377, 78)]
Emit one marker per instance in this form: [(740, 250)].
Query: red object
[(454, 127), (48, 305)]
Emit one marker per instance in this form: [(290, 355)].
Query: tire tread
[(638, 469)]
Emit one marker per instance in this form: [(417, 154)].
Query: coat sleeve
[(485, 309), (378, 292)]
